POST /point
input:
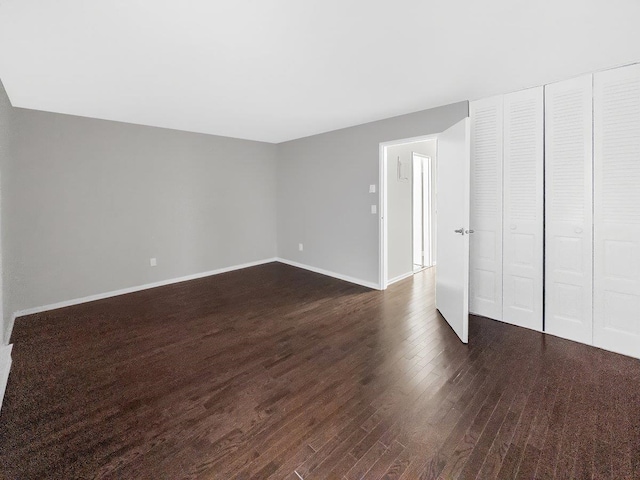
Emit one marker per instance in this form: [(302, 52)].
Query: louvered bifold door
[(523, 208), (568, 209), (617, 210), (485, 258)]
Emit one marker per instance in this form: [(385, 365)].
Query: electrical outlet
[(300, 247), (374, 209), (153, 262)]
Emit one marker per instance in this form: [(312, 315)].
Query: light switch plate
[(153, 262), (372, 189), (374, 209)]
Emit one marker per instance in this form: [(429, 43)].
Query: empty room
[(319, 240)]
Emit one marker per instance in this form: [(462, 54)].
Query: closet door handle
[(459, 230)]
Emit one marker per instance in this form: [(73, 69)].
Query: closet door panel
[(485, 259), (523, 208), (617, 210), (568, 205)]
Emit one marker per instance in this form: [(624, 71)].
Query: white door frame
[(382, 201), (426, 159)]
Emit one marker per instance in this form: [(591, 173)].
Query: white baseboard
[(124, 291), (10, 321), (508, 322), (5, 368), (328, 273), (115, 293), (399, 277)]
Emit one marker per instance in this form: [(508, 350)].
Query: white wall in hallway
[(399, 205)]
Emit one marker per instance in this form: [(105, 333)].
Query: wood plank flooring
[(275, 372)]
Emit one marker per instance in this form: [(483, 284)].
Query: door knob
[(460, 231), (469, 231)]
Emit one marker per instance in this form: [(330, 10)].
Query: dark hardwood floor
[(275, 372)]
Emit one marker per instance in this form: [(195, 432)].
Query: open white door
[(452, 276)]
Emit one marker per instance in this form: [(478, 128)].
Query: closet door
[(568, 205), (486, 208), (617, 210), (523, 208)]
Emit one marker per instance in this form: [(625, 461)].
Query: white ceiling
[(283, 69)]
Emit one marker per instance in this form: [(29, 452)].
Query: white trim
[(115, 293), (382, 228), (5, 368), (600, 347), (124, 291), (402, 277), (507, 322), (9, 328), (429, 253), (382, 181), (328, 273), (5, 357)]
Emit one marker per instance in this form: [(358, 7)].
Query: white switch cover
[(372, 189), (374, 209), (300, 247), (153, 262)]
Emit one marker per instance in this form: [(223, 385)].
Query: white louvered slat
[(523, 208), (617, 210), (486, 208), (568, 193)]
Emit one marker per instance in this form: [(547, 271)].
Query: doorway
[(449, 226), (408, 207), (421, 200)]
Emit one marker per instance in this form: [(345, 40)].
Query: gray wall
[(323, 198), (5, 125), (87, 202), (399, 206)]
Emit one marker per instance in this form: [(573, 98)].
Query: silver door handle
[(469, 231), (460, 231)]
